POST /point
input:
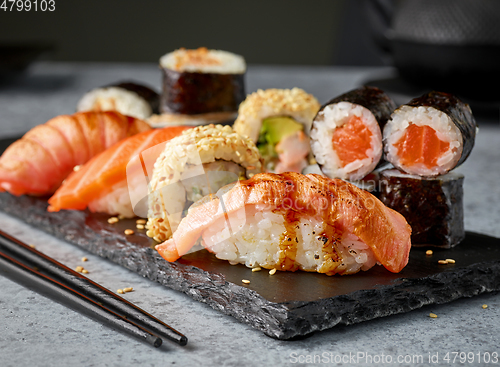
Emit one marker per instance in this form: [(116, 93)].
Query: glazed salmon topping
[(420, 144), (352, 140)]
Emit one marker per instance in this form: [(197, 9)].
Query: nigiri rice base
[(332, 117), (253, 234)]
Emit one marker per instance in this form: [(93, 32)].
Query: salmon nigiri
[(103, 183), (293, 221), (37, 163)]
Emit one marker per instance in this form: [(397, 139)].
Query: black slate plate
[(285, 305)]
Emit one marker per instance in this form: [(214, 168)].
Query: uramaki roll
[(430, 135), (346, 135), (202, 81), (195, 164), (278, 121)]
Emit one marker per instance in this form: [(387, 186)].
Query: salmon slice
[(107, 170), (420, 144), (352, 141), (340, 204), (37, 163)]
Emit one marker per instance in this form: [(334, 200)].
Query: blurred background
[(418, 45), (294, 32)]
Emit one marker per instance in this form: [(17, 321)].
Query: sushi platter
[(285, 252), (286, 305)]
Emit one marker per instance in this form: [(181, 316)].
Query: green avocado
[(274, 129)]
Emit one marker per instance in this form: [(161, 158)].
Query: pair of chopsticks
[(45, 275)]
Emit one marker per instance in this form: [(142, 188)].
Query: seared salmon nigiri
[(292, 221)]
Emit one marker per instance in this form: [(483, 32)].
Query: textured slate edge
[(277, 320)]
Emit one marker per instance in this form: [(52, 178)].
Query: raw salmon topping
[(420, 144), (351, 141)]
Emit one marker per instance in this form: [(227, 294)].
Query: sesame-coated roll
[(278, 121), (432, 206), (431, 135), (346, 135), (192, 165)]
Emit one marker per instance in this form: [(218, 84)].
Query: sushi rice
[(115, 99), (256, 240)]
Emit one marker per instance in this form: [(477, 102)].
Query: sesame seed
[(433, 315), (450, 261), (272, 271), (77, 168), (85, 271), (256, 269), (141, 221), (442, 262), (485, 306), (79, 268), (140, 226), (128, 289), (120, 291), (113, 220), (429, 252), (121, 216), (245, 281), (84, 259), (128, 231), (31, 245)]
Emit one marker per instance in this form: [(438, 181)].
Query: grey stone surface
[(35, 331)]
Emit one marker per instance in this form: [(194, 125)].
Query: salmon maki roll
[(110, 181), (346, 134), (431, 135), (295, 222), (38, 163)]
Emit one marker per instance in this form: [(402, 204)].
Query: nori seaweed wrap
[(346, 134), (432, 206), (430, 135)]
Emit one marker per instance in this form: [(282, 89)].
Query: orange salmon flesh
[(351, 141), (420, 144)]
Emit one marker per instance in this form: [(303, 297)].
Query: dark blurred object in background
[(451, 45), (16, 57)]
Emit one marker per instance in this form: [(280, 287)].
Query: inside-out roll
[(430, 135), (278, 121), (346, 135), (196, 163)]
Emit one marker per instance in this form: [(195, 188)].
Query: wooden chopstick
[(86, 288)]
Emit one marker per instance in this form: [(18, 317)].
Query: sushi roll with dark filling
[(128, 98), (432, 206), (346, 135), (201, 84), (430, 135)]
